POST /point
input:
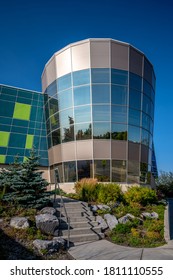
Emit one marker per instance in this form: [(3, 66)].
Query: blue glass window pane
[(134, 134), (9, 90), (35, 96), (3, 150), (81, 95), (5, 127), (25, 93), (19, 129), (23, 100), (134, 117), (119, 77), (33, 113), (135, 99), (119, 114), (147, 89), (15, 152), (82, 114), (101, 113), (67, 133), (65, 99), (20, 123), (5, 120), (44, 162), (100, 75), (17, 140), (101, 130), (36, 142), (64, 82), (30, 130), (135, 81), (100, 94), (51, 89), (146, 121), (81, 77), (53, 106), (10, 159), (83, 131), (7, 97), (119, 95), (119, 131), (6, 111), (66, 117), (145, 137), (146, 105)]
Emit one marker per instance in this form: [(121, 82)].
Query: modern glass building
[(99, 107)]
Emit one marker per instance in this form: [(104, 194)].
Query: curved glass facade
[(110, 110)]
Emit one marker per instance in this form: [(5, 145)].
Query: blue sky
[(31, 31)]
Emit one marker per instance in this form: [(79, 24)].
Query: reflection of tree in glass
[(84, 134), (119, 135), (103, 136), (69, 132)]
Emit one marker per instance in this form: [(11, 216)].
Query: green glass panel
[(22, 111), (29, 141), (2, 158), (4, 137)]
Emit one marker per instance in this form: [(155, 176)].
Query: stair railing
[(62, 205)]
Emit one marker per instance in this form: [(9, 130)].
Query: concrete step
[(84, 237), (82, 224), (76, 213), (79, 219), (80, 231)]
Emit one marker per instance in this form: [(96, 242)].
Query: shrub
[(153, 235), (87, 189), (135, 232), (123, 228), (83, 183), (141, 195), (109, 193)]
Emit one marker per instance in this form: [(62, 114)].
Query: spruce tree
[(28, 187)]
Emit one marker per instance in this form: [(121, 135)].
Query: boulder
[(103, 207), (102, 223), (46, 246), (19, 222), (130, 216), (47, 223), (124, 219), (61, 241), (111, 220), (48, 210), (152, 215), (1, 220), (94, 208)]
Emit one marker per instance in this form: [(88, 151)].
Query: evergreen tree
[(28, 188)]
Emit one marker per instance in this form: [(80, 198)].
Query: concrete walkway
[(105, 250)]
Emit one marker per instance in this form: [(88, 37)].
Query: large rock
[(61, 241), (47, 223), (94, 208), (124, 219), (48, 210), (152, 215), (19, 222), (103, 207), (111, 220), (46, 246), (102, 223)]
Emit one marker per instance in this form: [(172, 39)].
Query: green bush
[(123, 228), (141, 195), (87, 189), (109, 193)]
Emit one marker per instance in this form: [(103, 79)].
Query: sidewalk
[(105, 250)]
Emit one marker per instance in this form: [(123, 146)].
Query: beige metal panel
[(68, 151), (136, 62), (119, 56), (102, 149), (63, 63), (55, 154), (119, 150), (81, 56), (84, 149), (51, 71), (144, 154), (100, 54), (44, 81), (133, 151)]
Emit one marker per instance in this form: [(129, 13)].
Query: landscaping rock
[(46, 246), (152, 215), (48, 210), (101, 222), (94, 208), (130, 216), (19, 222), (103, 207), (111, 220), (124, 219), (61, 241), (47, 223), (1, 220)]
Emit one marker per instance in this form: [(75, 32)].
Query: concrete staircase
[(83, 226)]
